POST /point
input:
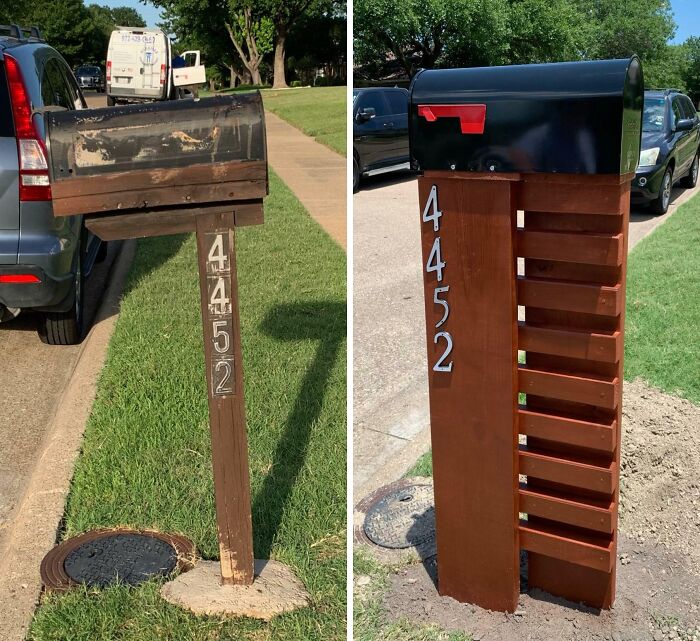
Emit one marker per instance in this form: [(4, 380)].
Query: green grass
[(663, 306), (320, 112), (370, 622), (146, 453)]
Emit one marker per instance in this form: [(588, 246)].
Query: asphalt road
[(34, 376), (390, 395)]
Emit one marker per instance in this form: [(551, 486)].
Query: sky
[(687, 14)]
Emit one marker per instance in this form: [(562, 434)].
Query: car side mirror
[(686, 124), (366, 114)]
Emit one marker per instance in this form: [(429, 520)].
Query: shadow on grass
[(151, 253), (322, 321)]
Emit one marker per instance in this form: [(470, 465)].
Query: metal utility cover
[(402, 518), (127, 558)]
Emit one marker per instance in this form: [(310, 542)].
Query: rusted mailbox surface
[(166, 168), (163, 158), (560, 142)]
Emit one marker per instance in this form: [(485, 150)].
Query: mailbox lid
[(571, 117), (176, 133)]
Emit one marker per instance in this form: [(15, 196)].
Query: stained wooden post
[(467, 230), (224, 369)]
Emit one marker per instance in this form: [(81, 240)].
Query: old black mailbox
[(561, 143)]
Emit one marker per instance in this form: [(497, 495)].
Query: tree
[(283, 14), (251, 35), (691, 72), (127, 17)]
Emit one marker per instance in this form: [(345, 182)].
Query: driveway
[(390, 389)]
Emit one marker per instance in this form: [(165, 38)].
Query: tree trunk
[(255, 76), (232, 76), (280, 81)]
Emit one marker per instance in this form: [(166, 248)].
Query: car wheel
[(65, 328), (691, 179), (355, 175), (660, 205)]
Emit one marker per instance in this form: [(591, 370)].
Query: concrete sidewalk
[(316, 175), (390, 393)]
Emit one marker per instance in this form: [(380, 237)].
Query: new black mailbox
[(571, 118), (170, 167), (561, 143)]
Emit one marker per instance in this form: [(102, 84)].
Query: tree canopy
[(459, 33)]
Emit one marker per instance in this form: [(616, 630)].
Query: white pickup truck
[(140, 67)]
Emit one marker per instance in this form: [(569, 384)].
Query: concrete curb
[(33, 530)]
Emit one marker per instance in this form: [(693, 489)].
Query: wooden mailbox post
[(561, 143), (167, 168)]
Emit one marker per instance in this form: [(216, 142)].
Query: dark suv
[(380, 131), (670, 140), (43, 260), (90, 77)]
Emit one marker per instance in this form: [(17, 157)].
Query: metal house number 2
[(220, 314), (432, 213)]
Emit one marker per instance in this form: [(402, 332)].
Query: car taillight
[(162, 74), (33, 167), (109, 71), (18, 279)]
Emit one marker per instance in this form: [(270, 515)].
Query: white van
[(138, 65)]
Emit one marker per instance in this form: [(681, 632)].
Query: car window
[(54, 89), (654, 114), (677, 111), (688, 108), (375, 100), (72, 85), (398, 102)]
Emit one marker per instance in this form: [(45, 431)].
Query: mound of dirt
[(658, 585)]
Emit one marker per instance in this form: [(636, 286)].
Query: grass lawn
[(146, 454), (320, 112), (663, 306)]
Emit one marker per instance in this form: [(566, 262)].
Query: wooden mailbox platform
[(554, 457)]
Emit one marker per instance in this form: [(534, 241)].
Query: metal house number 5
[(436, 264)]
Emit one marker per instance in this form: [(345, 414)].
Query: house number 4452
[(435, 263)]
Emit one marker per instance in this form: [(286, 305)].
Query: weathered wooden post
[(173, 167), (561, 142)]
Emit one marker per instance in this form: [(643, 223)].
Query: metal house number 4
[(220, 316), (432, 213)]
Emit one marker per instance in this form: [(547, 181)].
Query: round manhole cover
[(402, 518), (101, 557), (127, 558)]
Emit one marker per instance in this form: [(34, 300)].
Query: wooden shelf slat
[(568, 431), (562, 508), (560, 544), (596, 346), (566, 198), (567, 471), (588, 389), (589, 248), (570, 296)]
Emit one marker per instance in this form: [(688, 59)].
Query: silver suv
[(43, 260)]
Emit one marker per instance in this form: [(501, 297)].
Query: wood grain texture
[(588, 298), (574, 343), (595, 249), (169, 221), (473, 408), (227, 420)]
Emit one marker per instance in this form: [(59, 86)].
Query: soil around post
[(275, 590)]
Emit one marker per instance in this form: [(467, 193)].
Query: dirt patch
[(658, 585)]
